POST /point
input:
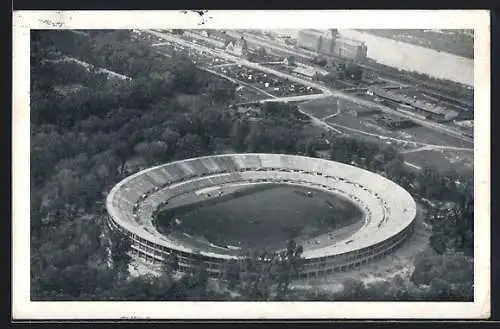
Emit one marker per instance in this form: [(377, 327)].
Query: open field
[(428, 136), (330, 106), (320, 108), (283, 212), (442, 160)]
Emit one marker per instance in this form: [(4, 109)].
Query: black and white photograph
[(189, 157)]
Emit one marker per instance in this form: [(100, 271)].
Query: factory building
[(331, 44), (309, 39), (350, 49)]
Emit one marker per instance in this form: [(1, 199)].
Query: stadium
[(382, 211)]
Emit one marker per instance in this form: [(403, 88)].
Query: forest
[(88, 126)]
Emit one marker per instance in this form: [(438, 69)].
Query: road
[(322, 88), (423, 148), (412, 165), (331, 115), (294, 98), (224, 65), (100, 70)]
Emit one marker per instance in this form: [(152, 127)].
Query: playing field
[(320, 108), (264, 217)]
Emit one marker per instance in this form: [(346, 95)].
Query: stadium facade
[(329, 43), (389, 210)]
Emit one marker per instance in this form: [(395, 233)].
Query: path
[(101, 70)]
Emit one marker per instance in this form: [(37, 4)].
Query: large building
[(388, 209), (417, 104), (306, 72), (220, 38), (331, 44), (238, 47)]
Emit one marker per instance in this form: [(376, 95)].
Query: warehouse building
[(305, 72), (430, 109), (329, 43)]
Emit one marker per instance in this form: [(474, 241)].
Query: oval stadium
[(208, 210)]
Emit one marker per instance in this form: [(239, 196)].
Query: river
[(410, 57)]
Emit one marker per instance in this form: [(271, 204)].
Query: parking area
[(270, 83), (199, 58)]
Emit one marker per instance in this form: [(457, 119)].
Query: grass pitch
[(262, 217)]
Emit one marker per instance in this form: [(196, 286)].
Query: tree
[(221, 92), (170, 264), (430, 180), (153, 152), (394, 169), (240, 131), (452, 267), (186, 78), (352, 290), (120, 248), (232, 273), (290, 262), (123, 151), (61, 194), (189, 146)]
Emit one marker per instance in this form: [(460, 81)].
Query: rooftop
[(305, 71)]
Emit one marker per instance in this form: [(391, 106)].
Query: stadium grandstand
[(388, 209)]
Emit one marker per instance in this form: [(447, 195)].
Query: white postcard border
[(24, 21)]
